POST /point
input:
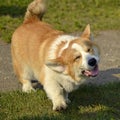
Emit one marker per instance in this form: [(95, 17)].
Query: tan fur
[(35, 10), (56, 60), (30, 48)]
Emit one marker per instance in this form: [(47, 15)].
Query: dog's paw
[(60, 105), (27, 88)]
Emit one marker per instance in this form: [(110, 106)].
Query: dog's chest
[(67, 84)]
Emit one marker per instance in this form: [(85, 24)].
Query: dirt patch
[(109, 42), (7, 78)]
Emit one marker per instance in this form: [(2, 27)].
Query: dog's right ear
[(56, 65), (86, 33)]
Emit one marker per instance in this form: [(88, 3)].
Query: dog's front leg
[(56, 94)]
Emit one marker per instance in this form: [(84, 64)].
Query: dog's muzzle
[(94, 71)]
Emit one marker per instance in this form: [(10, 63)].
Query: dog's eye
[(77, 58), (89, 50)]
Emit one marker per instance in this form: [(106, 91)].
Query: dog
[(60, 62)]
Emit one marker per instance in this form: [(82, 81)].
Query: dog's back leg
[(23, 72)]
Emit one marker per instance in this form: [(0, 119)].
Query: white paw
[(59, 105), (27, 87)]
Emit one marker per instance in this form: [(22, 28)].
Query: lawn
[(88, 103), (67, 15)]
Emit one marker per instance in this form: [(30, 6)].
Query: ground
[(109, 43)]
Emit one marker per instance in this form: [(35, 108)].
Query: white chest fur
[(67, 83), (56, 80)]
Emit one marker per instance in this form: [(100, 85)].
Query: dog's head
[(78, 59)]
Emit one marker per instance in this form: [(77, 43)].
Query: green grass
[(67, 15), (88, 103)]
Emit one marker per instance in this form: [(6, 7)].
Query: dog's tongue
[(92, 73)]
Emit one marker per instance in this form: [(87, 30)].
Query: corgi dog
[(60, 62)]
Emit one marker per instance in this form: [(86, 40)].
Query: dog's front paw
[(59, 105)]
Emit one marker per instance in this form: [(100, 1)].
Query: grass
[(88, 103), (67, 15)]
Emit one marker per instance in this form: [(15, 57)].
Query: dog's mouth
[(91, 73)]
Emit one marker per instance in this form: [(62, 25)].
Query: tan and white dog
[(58, 61)]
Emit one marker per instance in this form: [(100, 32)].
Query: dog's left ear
[(86, 33), (56, 65)]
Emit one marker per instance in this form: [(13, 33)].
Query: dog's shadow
[(106, 76)]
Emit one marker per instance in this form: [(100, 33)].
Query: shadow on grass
[(106, 76), (13, 11), (90, 102), (44, 117)]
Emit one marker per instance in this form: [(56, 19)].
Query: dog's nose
[(92, 62)]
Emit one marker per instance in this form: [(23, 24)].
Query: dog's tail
[(35, 10)]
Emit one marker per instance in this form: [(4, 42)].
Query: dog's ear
[(86, 33), (56, 65)]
